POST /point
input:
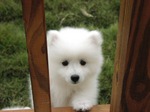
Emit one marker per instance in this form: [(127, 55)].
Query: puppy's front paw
[(84, 105)]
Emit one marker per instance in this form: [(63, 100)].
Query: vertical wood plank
[(131, 81), (34, 21), (123, 33)]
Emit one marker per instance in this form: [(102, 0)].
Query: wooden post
[(131, 81), (34, 21)]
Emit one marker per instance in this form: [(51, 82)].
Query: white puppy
[(75, 61)]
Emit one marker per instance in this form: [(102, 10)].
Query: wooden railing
[(131, 80), (35, 29)]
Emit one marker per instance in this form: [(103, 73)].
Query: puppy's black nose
[(75, 78)]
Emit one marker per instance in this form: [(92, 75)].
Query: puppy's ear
[(52, 36), (96, 37)]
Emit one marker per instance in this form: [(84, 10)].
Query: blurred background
[(14, 70)]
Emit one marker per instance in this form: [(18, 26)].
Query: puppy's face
[(74, 67), (76, 57)]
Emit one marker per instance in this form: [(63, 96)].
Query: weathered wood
[(131, 81), (34, 21), (98, 108)]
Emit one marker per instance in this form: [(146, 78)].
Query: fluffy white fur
[(73, 45)]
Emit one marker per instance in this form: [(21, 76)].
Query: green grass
[(98, 14), (68, 13), (109, 46), (13, 66)]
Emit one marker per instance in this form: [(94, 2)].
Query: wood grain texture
[(34, 21), (131, 81), (98, 108)]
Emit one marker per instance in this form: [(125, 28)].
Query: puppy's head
[(74, 54)]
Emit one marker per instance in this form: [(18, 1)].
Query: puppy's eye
[(65, 63), (82, 62)]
